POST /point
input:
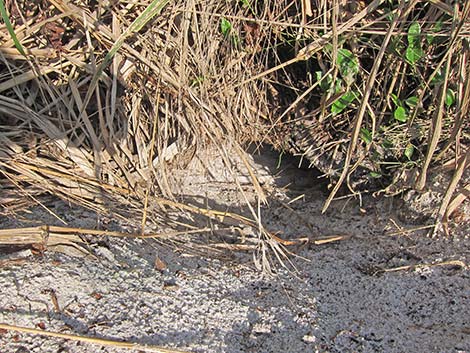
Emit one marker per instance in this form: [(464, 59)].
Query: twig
[(93, 340)]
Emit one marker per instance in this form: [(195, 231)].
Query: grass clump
[(93, 94)]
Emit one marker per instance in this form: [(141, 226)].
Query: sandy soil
[(377, 290)]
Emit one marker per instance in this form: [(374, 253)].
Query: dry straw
[(99, 99), (91, 340)]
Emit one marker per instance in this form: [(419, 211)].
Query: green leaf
[(437, 26), (430, 38), (395, 99), (387, 144), (414, 34), (197, 81), (375, 175), (438, 78), (409, 151), (325, 81), (342, 102), (412, 102), (450, 97), (366, 135), (10, 29), (246, 3), (400, 114), (414, 52), (348, 65), (339, 87), (225, 26)]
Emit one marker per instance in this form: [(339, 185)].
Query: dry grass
[(101, 105), (107, 149), (91, 340)]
